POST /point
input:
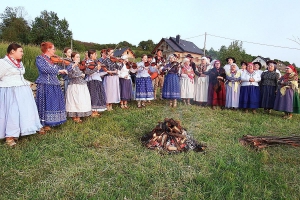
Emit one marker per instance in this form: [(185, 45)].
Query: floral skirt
[(51, 104), (144, 89)]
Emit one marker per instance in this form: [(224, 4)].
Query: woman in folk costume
[(201, 82), (233, 78), (143, 87), (19, 115), (216, 88), (49, 96), (243, 66), (249, 93), (125, 83), (268, 88), (111, 80), (94, 84), (67, 53), (187, 82), (171, 87), (78, 100), (287, 97)]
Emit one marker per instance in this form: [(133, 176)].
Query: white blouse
[(11, 75), (246, 76), (124, 72)]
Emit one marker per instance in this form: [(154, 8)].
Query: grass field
[(103, 158)]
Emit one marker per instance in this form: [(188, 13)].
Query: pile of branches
[(169, 135), (261, 142)]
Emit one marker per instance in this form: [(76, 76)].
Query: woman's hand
[(62, 71)]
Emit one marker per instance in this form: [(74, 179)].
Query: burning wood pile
[(169, 135), (261, 142)]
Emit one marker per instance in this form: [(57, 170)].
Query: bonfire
[(169, 135)]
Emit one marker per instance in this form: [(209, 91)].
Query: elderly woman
[(269, 81), (216, 88), (201, 82), (49, 96), (233, 78), (186, 82), (19, 115), (171, 88), (249, 94), (287, 98)]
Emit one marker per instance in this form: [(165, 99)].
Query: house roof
[(265, 59), (182, 46), (119, 52)]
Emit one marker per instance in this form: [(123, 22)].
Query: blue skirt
[(284, 102), (249, 97), (171, 87), (125, 89), (267, 96), (18, 112), (144, 89), (51, 105)]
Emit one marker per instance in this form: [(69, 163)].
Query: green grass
[(103, 158)]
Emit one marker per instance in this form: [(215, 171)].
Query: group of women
[(249, 88), (95, 84)]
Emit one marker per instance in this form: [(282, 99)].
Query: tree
[(125, 44), (213, 54), (235, 49), (14, 28), (146, 45), (48, 27)]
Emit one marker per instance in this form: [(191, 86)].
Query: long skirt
[(284, 102), (296, 103), (171, 88), (112, 89), (201, 89), (51, 104), (216, 97), (232, 97), (186, 88), (249, 97), (97, 93), (144, 89), (125, 89), (78, 101), (267, 96), (18, 112)]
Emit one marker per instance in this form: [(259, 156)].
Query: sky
[(272, 22)]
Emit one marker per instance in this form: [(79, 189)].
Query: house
[(179, 47), (280, 65), (263, 61), (124, 51)]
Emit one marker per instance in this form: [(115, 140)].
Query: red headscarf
[(293, 68)]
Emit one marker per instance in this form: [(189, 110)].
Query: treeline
[(48, 27), (236, 50)]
